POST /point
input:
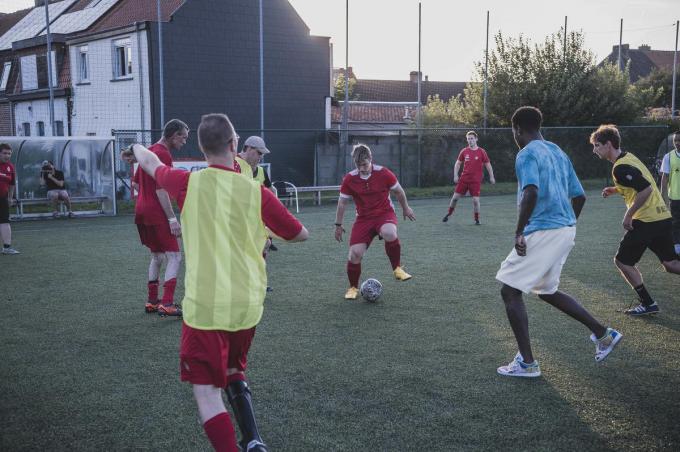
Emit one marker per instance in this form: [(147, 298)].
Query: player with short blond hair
[(370, 185)]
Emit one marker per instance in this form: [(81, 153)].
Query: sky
[(383, 34)]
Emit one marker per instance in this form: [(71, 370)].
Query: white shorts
[(539, 271)]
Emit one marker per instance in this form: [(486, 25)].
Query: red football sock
[(238, 376), (451, 209), (153, 291), (353, 273), (169, 291), (393, 250), (476, 216), (221, 433)]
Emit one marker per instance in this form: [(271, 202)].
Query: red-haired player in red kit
[(474, 159), (370, 186), (157, 225)]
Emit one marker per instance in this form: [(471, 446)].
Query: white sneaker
[(9, 251), (604, 346), (518, 368)]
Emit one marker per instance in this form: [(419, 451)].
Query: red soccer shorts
[(205, 355), (464, 186), (364, 230), (158, 238)]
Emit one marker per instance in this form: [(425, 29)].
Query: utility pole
[(620, 44), (160, 63), (565, 39), (674, 112), (486, 66), (261, 72), (49, 67)]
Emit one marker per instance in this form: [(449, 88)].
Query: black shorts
[(655, 235), (4, 209)]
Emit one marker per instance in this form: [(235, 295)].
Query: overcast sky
[(383, 40)]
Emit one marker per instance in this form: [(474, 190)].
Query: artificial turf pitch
[(82, 367)]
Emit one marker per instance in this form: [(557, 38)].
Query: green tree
[(661, 81), (340, 88), (563, 81)]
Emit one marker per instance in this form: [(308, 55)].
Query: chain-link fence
[(419, 157)]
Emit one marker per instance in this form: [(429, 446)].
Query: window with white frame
[(83, 69), (41, 128), (5, 75), (59, 125), (122, 58), (27, 129), (29, 72)]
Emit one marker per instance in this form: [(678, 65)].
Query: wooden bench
[(22, 202), (317, 190)]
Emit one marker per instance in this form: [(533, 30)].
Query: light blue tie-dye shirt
[(545, 165)]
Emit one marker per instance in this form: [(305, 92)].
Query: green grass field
[(83, 368)]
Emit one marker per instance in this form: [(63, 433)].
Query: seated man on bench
[(53, 179)]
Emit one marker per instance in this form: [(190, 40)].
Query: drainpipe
[(141, 76)]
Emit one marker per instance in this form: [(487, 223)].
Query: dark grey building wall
[(211, 64)]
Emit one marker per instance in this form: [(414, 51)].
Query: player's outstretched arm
[(608, 191), (492, 179), (664, 187), (147, 160), (640, 200), (526, 208), (577, 204), (339, 214), (399, 192), (456, 170)]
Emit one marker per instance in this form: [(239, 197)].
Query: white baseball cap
[(257, 143)]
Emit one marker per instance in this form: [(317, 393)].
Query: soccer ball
[(371, 289)]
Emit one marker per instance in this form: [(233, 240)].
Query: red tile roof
[(127, 12), (405, 90), (375, 113)]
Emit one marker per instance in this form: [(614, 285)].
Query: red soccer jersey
[(148, 209), (7, 178), (473, 163), (371, 195), (274, 214)]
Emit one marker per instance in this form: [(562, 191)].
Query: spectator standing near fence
[(474, 160), (53, 180), (157, 225), (222, 303), (670, 186), (7, 184)]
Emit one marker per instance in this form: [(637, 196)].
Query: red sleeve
[(13, 179), (485, 158), (345, 188), (173, 180), (277, 218), (165, 157), (461, 155), (135, 177), (390, 179)]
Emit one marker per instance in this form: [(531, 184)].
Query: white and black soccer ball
[(371, 289)]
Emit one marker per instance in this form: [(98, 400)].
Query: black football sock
[(241, 401), (645, 298)]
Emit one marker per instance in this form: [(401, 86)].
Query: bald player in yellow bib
[(647, 220)]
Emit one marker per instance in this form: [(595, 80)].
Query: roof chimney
[(413, 76), (427, 78), (645, 47)]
